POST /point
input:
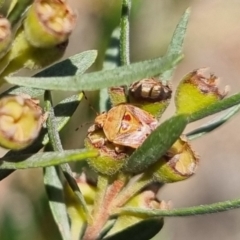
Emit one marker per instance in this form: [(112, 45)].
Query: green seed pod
[(151, 95), (49, 23), (178, 164), (112, 157), (21, 120), (5, 36), (147, 200), (197, 90)]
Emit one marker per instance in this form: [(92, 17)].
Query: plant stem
[(102, 204), (189, 211), (124, 37), (131, 190)]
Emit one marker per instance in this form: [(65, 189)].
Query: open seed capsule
[(197, 90), (21, 120)]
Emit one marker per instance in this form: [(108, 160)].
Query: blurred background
[(212, 40)]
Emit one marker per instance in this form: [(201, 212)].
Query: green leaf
[(76, 64), (124, 23), (112, 60), (176, 45), (188, 211), (215, 107), (63, 112), (57, 205), (45, 159), (143, 230), (102, 79), (57, 146), (156, 145), (213, 124)]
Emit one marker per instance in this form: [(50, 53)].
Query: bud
[(49, 23), (197, 90), (21, 120), (151, 95), (145, 200), (178, 164), (5, 36), (111, 157)]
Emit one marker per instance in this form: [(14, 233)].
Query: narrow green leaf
[(76, 64), (188, 211), (143, 230), (213, 124), (156, 145), (57, 146), (111, 61), (57, 205), (33, 92), (216, 107), (124, 24), (63, 112), (177, 41), (45, 159), (102, 79), (53, 135), (112, 55)]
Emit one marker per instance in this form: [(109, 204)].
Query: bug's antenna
[(90, 105)]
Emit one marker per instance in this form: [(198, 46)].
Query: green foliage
[(107, 195)]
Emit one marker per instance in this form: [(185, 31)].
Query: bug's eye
[(127, 117)]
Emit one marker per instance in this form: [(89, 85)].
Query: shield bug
[(126, 125)]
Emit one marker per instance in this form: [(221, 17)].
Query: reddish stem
[(101, 215)]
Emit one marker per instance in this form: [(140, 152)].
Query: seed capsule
[(21, 120), (151, 95), (146, 199), (5, 36), (198, 90), (178, 164), (111, 157), (49, 23)]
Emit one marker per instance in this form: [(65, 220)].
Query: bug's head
[(100, 119)]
